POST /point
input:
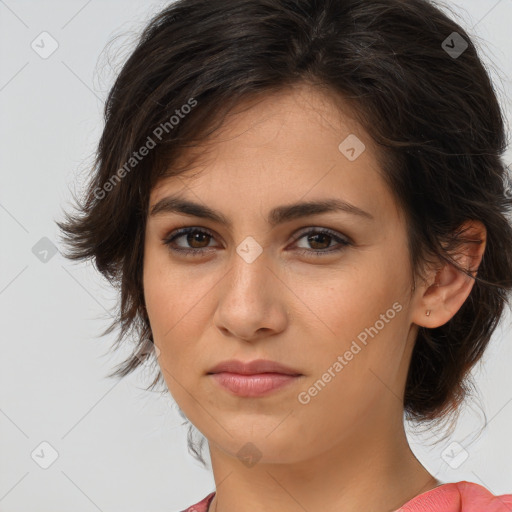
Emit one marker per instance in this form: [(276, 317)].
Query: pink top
[(451, 497)]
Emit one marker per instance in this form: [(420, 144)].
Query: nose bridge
[(250, 274), (248, 305)]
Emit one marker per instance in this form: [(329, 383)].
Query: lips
[(254, 367), (253, 379)]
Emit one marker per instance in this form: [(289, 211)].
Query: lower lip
[(259, 384)]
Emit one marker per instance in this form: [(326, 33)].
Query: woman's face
[(263, 283)]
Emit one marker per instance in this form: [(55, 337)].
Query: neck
[(369, 471)]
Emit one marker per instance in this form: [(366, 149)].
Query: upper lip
[(253, 367)]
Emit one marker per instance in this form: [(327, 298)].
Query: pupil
[(192, 236), (321, 235)]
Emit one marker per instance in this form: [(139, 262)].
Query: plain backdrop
[(108, 444)]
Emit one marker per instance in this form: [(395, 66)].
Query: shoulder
[(459, 497), (474, 496), (202, 506)]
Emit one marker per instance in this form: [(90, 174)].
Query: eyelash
[(306, 252)]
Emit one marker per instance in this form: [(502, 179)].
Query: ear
[(446, 288)]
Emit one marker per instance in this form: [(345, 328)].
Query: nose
[(251, 300)]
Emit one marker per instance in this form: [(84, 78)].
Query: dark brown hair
[(433, 114)]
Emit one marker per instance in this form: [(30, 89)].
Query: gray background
[(121, 448)]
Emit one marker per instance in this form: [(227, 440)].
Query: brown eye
[(198, 237), (320, 242), (196, 241)]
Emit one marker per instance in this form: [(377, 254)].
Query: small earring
[(428, 312)]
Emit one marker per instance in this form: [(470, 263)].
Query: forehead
[(289, 145), (278, 118)]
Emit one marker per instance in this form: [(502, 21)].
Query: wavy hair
[(434, 116)]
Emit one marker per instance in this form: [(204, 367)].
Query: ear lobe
[(441, 300)]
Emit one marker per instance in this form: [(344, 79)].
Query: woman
[(304, 205)]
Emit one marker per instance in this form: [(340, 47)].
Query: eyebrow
[(278, 215)]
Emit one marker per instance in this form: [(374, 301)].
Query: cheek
[(177, 306), (167, 304), (168, 293), (162, 290), (359, 315), (354, 369), (345, 302)]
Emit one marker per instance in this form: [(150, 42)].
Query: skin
[(346, 449)]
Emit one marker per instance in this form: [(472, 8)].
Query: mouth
[(253, 379)]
